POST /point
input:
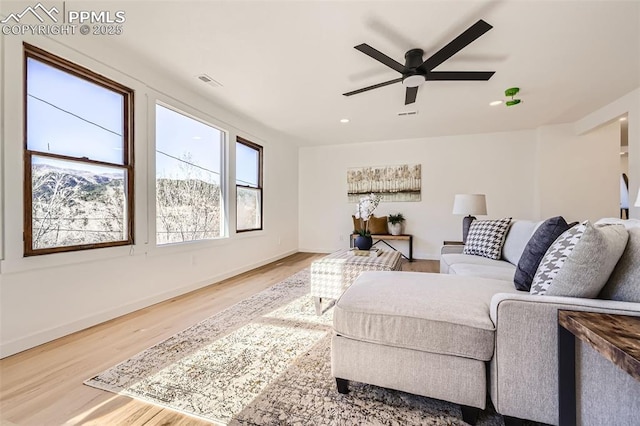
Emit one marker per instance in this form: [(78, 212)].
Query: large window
[(189, 197), (78, 157), (248, 186)]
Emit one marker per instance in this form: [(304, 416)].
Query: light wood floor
[(43, 386)]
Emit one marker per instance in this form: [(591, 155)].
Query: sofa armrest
[(568, 303), (452, 248), (448, 249), (524, 368)]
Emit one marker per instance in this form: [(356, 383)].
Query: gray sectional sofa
[(467, 333)]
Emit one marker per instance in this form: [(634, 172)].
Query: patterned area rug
[(266, 361)]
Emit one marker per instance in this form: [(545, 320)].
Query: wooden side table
[(377, 238), (615, 337)]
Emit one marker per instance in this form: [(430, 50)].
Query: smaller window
[(248, 186)]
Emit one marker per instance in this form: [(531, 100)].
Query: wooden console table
[(615, 337), (384, 238)]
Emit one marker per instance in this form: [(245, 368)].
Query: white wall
[(564, 169), (500, 165), (579, 176), (624, 164), (628, 105), (45, 297)]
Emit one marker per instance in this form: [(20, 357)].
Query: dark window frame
[(128, 157), (258, 148)]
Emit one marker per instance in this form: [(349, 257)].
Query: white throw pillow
[(580, 261), (486, 238)]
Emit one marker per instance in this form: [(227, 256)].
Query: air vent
[(210, 81), (406, 113)]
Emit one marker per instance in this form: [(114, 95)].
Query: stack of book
[(373, 252)]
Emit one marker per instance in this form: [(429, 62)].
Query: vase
[(395, 228), (363, 243)]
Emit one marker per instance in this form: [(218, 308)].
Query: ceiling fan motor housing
[(413, 59), (412, 77)]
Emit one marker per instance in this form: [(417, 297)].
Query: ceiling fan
[(415, 71)]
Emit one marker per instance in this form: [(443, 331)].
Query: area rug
[(266, 361)]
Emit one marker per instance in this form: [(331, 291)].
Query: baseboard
[(316, 250), (35, 339)]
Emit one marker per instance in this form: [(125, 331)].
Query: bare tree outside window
[(189, 199)]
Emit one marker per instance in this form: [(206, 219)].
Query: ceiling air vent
[(407, 113), (210, 81)]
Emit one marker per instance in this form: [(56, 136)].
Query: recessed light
[(623, 118), (494, 103), (196, 138), (344, 120)]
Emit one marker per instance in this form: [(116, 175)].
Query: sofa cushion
[(357, 223), (486, 237), (437, 313), (535, 250), (456, 258), (378, 225), (580, 261), (518, 236), (504, 273), (624, 282)]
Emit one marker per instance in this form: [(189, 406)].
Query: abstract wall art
[(391, 183)]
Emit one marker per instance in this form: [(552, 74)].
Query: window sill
[(186, 246), (30, 263), (249, 234)]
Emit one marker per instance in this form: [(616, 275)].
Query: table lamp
[(469, 204)]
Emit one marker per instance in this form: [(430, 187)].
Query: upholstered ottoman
[(426, 334), (332, 274)]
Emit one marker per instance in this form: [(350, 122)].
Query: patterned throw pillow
[(555, 257), (591, 262), (486, 237)]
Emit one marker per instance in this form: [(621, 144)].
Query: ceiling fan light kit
[(416, 71), (413, 80)]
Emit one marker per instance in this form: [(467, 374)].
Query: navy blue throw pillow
[(535, 250)]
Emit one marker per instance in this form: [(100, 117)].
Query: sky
[(74, 117), (185, 145), (89, 125)]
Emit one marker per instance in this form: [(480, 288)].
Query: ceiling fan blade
[(410, 95), (459, 75), (380, 57), (456, 45), (375, 86)]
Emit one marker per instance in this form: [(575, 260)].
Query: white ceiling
[(287, 63)]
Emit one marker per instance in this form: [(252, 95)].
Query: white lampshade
[(470, 204), (637, 204)]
